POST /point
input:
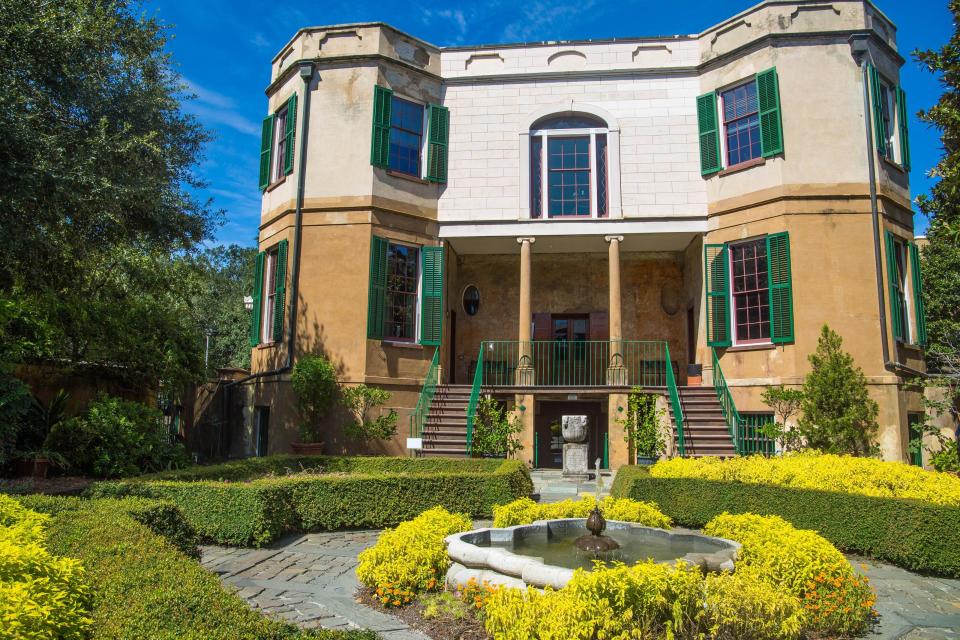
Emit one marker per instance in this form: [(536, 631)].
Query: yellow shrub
[(411, 558), (821, 471), (803, 563), (741, 605), (41, 596), (525, 511)]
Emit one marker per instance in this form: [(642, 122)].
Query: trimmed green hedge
[(143, 586), (363, 492), (910, 533)]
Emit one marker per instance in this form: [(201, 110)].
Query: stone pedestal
[(575, 449)]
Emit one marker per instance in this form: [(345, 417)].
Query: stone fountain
[(595, 542)]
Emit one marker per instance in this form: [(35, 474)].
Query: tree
[(360, 400), (494, 432), (785, 403), (838, 414), (226, 276), (314, 382), (95, 151)]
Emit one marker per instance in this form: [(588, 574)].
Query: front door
[(569, 354), (548, 446)]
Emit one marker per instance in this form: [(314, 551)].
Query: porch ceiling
[(560, 236)]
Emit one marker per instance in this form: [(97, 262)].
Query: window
[(741, 123), (269, 295), (406, 136), (890, 119), (887, 109), (403, 283), (471, 300), (899, 288), (568, 154), (750, 292), (280, 144)]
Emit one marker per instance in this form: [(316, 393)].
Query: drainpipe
[(306, 73), (860, 50)]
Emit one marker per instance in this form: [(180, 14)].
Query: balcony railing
[(585, 363)]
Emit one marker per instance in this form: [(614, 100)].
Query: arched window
[(569, 167)]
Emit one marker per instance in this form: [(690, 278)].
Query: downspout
[(858, 46), (306, 73)]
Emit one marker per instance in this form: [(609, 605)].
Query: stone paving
[(310, 580)]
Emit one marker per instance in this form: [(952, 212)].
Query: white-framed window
[(279, 144), (269, 294), (402, 301), (750, 292), (407, 127), (904, 291), (890, 116), (740, 120), (569, 168)]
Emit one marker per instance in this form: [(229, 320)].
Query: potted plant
[(314, 382), (642, 432), (33, 457)]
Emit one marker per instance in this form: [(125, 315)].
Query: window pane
[(406, 136), (741, 123), (536, 178), (403, 265), (751, 297), (601, 175), (569, 175)]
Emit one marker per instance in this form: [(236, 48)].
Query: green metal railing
[(474, 398), (675, 402), (581, 363), (419, 415), (743, 429)]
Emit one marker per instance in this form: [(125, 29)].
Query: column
[(525, 373), (617, 371)]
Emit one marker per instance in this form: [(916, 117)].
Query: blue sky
[(223, 49)]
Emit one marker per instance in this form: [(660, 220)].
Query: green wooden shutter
[(289, 134), (903, 119), (380, 142), (377, 300), (266, 149), (709, 133), (879, 126), (718, 294), (431, 299), (896, 300), (439, 119), (280, 289), (768, 103), (780, 283), (918, 295), (257, 300)]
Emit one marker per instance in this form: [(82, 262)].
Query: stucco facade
[(654, 207)]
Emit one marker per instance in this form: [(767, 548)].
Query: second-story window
[(741, 123), (568, 168), (280, 144), (406, 136)]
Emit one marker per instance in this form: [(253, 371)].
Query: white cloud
[(541, 20), (215, 108), (259, 41)]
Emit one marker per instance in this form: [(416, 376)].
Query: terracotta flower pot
[(307, 448)]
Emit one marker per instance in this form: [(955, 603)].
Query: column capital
[(529, 239), (611, 238)]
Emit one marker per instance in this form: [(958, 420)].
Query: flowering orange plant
[(476, 594), (842, 604)]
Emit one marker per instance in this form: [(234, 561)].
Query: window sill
[(267, 345), (749, 164), (406, 176), (275, 184), (893, 165), (910, 345), (760, 346), (401, 344)]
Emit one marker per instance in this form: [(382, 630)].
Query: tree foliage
[(941, 258), (838, 414)]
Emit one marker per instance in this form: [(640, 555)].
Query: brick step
[(447, 413), (436, 453)]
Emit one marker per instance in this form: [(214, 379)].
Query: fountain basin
[(544, 554)]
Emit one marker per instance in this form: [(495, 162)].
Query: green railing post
[(430, 381), (536, 451), (474, 398), (730, 413), (606, 451), (674, 399)]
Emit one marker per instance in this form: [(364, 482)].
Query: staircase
[(705, 431), (445, 431)]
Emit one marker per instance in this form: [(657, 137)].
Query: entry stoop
[(445, 429), (705, 431)]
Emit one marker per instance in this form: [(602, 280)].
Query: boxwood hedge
[(143, 586), (244, 509), (913, 534)]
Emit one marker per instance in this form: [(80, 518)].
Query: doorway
[(452, 347), (548, 441)]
